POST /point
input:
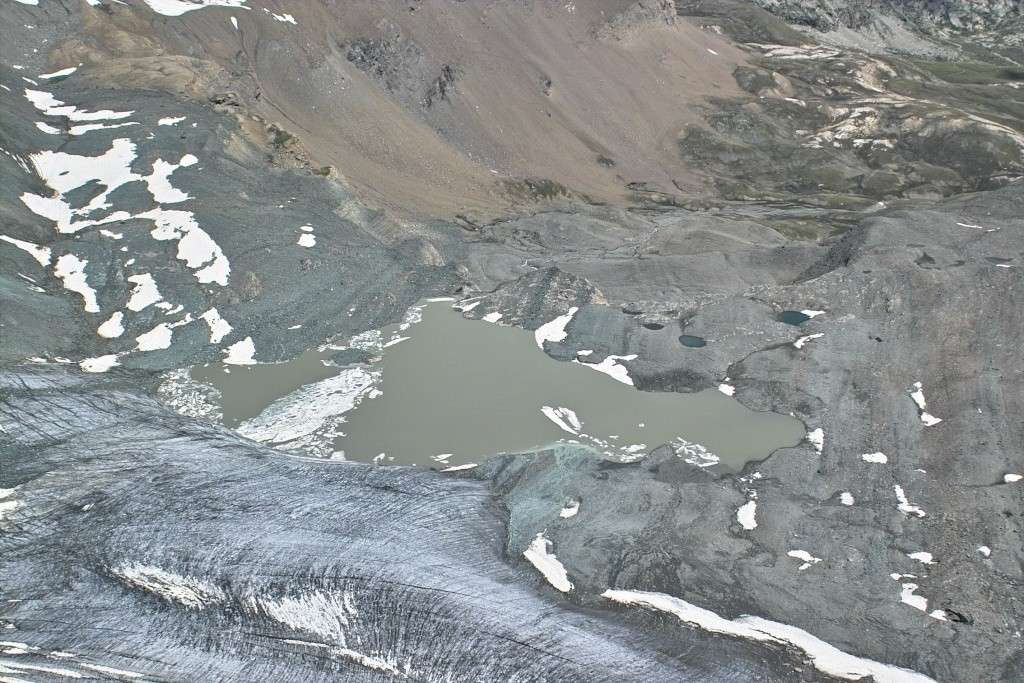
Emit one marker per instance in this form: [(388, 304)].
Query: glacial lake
[(441, 391)]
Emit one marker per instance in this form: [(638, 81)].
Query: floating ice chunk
[(1012, 478), (917, 394), (307, 240), (846, 498), (466, 306), (825, 658), (241, 353), (610, 366), (879, 458), (302, 413), (746, 515), (113, 327), (191, 592), (460, 468), (694, 453), (492, 317), (817, 438), (922, 557), (63, 72), (144, 293), (727, 389), (554, 330), (804, 557), (799, 343), (985, 550), (541, 557), (171, 120), (175, 8), (219, 327), (40, 254), (195, 246), (570, 510), (71, 270), (565, 418), (100, 363), (904, 505)]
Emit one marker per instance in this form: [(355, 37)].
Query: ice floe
[(460, 468), (317, 407), (917, 394), (825, 658), (71, 270), (540, 556), (565, 418), (554, 330), (746, 515), (694, 453)]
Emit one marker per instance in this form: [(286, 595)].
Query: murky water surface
[(453, 391)]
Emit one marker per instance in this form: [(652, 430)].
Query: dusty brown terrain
[(434, 110)]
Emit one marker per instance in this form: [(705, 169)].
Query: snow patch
[(191, 592), (917, 394), (99, 364), (878, 458), (219, 327), (540, 556), (746, 515), (71, 270), (40, 254), (241, 353), (113, 327), (825, 658), (817, 438), (610, 366), (805, 557), (553, 331)]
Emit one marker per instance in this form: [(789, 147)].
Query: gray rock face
[(926, 15), (917, 295)]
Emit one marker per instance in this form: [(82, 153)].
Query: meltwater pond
[(442, 391)]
